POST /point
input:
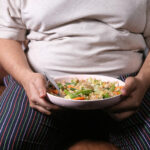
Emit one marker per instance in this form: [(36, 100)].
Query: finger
[(130, 85), (41, 109), (40, 85), (34, 98), (53, 106), (45, 104), (121, 116), (126, 104)]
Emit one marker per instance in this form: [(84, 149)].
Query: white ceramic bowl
[(85, 104)]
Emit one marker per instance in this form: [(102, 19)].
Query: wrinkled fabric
[(79, 36)]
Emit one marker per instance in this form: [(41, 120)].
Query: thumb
[(41, 87), (130, 85)]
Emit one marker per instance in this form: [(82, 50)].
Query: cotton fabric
[(23, 128), (68, 37)]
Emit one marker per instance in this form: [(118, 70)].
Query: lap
[(25, 128), (21, 126)]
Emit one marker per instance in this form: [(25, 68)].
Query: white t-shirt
[(79, 36)]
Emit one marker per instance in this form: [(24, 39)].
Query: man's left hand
[(132, 95)]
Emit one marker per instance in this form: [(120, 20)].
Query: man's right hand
[(35, 87)]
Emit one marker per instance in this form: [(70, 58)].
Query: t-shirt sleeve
[(147, 27), (11, 25)]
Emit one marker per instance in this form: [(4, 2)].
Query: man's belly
[(58, 59)]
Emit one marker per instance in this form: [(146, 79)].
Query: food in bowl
[(86, 89)]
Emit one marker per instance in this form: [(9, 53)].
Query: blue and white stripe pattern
[(23, 128)]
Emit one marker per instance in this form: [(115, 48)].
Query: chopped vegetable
[(54, 91), (89, 89), (79, 98)]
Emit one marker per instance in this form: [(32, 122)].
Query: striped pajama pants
[(23, 128), (134, 132)]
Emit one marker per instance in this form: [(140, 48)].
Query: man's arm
[(2, 74), (144, 73), (133, 93), (14, 61)]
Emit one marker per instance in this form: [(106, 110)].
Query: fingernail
[(42, 94), (123, 91)]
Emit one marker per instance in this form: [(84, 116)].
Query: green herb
[(106, 95), (60, 86), (72, 89), (68, 83), (112, 88)]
